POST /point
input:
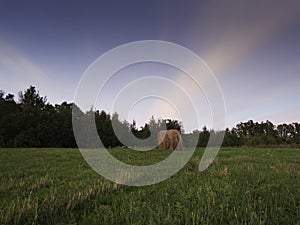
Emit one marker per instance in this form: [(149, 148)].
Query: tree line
[(31, 121)]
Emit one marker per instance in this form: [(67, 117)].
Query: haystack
[(169, 140)]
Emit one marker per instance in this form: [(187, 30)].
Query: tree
[(286, 133), (296, 138), (173, 124), (231, 138), (30, 119), (203, 137), (63, 115), (9, 112), (32, 122), (31, 99)]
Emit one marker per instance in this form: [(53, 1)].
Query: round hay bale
[(169, 140)]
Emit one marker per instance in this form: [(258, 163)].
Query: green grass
[(242, 186)]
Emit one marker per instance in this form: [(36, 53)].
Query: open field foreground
[(242, 186)]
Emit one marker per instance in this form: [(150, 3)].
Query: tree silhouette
[(32, 122)]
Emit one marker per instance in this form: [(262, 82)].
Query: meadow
[(242, 186)]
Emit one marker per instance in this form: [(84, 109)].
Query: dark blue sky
[(253, 47)]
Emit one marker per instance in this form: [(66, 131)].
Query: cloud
[(16, 62), (238, 28), (231, 31), (18, 71)]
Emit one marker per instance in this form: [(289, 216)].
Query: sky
[(252, 47)]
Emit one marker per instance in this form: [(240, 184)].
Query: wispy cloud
[(238, 31), (17, 62), (18, 71), (240, 28)]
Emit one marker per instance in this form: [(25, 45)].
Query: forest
[(31, 121)]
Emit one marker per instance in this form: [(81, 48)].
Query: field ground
[(242, 186)]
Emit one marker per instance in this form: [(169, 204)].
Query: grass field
[(242, 186)]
